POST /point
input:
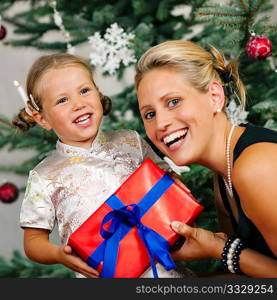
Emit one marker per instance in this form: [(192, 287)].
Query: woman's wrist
[(218, 247), (231, 253)]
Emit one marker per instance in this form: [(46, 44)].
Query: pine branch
[(29, 27), (240, 16), (6, 5), (244, 6), (256, 10), (6, 123), (137, 45), (272, 27), (218, 14), (15, 131)]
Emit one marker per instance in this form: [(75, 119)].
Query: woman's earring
[(218, 110)]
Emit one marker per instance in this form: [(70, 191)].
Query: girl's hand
[(68, 258), (200, 243)]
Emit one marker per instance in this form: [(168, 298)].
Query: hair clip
[(225, 76), (33, 102), (23, 97)]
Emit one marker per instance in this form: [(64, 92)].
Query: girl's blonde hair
[(199, 66), (23, 121)]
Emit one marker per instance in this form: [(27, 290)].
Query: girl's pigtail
[(23, 121)]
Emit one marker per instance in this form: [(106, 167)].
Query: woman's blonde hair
[(23, 121), (199, 66)]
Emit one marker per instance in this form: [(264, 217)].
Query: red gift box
[(158, 199)]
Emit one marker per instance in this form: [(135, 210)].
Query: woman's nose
[(163, 121)]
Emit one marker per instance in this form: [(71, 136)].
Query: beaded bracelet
[(230, 255)]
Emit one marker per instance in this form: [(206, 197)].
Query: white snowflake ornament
[(111, 50), (235, 114)]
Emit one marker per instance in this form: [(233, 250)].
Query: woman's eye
[(149, 115), (84, 91), (62, 100), (173, 102)]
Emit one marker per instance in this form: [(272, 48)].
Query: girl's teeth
[(82, 120)]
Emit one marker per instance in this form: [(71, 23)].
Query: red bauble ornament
[(259, 47), (8, 192), (3, 32)]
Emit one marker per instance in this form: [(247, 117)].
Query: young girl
[(183, 91), (87, 166)]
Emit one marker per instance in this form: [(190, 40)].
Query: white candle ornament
[(23, 96)]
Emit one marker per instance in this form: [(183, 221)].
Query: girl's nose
[(77, 104)]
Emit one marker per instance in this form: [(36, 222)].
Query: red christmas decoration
[(259, 47), (8, 192), (3, 32)]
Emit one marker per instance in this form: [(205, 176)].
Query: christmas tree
[(118, 32)]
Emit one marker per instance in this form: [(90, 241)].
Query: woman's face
[(177, 117)]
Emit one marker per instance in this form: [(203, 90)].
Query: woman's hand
[(200, 243), (177, 178), (67, 257)]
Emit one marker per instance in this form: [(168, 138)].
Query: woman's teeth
[(175, 137)]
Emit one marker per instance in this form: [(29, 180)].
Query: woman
[(183, 91)]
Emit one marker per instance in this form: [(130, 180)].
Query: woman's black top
[(245, 229)]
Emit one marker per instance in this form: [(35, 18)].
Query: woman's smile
[(174, 140)]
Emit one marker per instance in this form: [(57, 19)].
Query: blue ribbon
[(123, 218)]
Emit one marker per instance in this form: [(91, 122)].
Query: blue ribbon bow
[(157, 247), (123, 218)]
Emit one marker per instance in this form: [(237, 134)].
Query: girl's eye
[(62, 100), (84, 91), (173, 102), (149, 115)]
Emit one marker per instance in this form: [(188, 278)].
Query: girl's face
[(177, 117), (71, 105)]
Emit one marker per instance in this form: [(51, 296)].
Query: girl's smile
[(84, 120)]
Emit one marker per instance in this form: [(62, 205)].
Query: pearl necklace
[(228, 183)]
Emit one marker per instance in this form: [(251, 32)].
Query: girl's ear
[(217, 96), (41, 120)]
